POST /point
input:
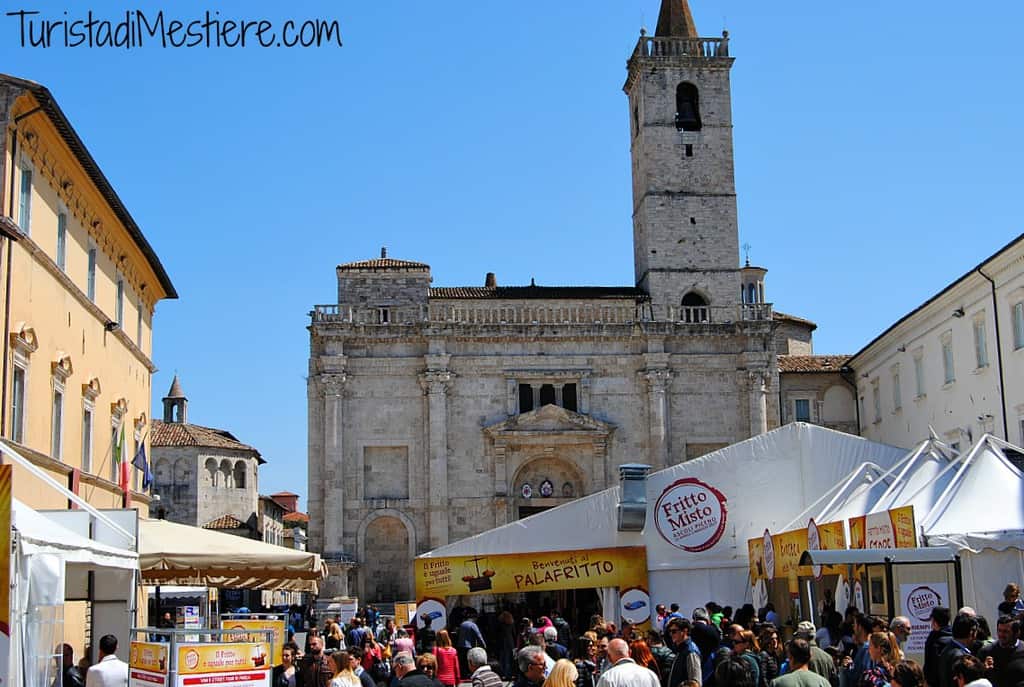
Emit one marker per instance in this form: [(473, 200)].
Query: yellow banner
[(5, 555), (891, 529), (148, 656), (278, 626), (198, 659), (782, 561), (622, 567)]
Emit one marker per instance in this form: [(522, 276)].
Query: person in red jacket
[(447, 660)]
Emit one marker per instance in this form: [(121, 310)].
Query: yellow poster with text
[(891, 529), (278, 627), (148, 656), (199, 659), (622, 567), (783, 560)]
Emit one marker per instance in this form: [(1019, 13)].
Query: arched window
[(212, 472), (226, 474), (695, 308), (687, 107), (240, 475), (751, 293)]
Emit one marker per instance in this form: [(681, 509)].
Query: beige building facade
[(439, 412), (79, 284), (954, 365)]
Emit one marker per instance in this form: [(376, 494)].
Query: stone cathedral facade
[(439, 412)]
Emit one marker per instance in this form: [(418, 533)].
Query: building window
[(25, 201), (948, 373), (533, 396), (919, 374), (687, 107), (897, 393), (119, 302), (90, 283), (980, 344), (802, 410), (1018, 325), (62, 240), (18, 385), (57, 423), (876, 400), (240, 475), (138, 326), (694, 308), (383, 315), (87, 439)]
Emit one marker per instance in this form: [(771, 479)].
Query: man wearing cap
[(819, 662), (938, 639)]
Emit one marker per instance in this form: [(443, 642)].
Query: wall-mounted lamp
[(901, 349), (111, 326), (959, 312)]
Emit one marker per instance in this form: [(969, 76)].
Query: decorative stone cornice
[(23, 339), (91, 389), (657, 379), (759, 379), (118, 408), (436, 381), (61, 367)]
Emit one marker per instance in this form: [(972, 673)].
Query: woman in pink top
[(403, 643), (447, 660)]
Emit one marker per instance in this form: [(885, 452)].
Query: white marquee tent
[(765, 482)]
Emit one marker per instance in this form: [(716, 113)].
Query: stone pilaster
[(758, 401), (658, 380), (435, 383), (332, 478)]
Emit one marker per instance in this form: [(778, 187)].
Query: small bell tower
[(175, 404), (685, 233)]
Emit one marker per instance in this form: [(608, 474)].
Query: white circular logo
[(690, 515), (635, 605), (433, 610), (769, 555), (814, 544), (921, 601)]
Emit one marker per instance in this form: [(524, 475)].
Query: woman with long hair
[(286, 674), (744, 647), (344, 676), (642, 656), (447, 660), (585, 661), (885, 654), (564, 674), (332, 636)]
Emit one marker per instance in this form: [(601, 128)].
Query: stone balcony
[(670, 46), (474, 313)]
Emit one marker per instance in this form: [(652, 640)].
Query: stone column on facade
[(332, 478), (435, 383), (657, 402), (758, 402)]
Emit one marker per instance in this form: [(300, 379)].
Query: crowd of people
[(713, 646)]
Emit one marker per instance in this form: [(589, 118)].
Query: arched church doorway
[(385, 560)]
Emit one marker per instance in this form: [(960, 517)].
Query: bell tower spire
[(675, 20)]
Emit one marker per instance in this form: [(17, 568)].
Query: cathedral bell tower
[(685, 236)]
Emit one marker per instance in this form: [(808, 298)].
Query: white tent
[(981, 513), (766, 482), (46, 556)]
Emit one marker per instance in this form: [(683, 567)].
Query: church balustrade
[(662, 46)]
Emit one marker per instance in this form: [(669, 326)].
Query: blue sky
[(877, 159)]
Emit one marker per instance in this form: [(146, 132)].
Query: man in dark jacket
[(408, 675), (965, 628), (687, 664), (938, 638), (316, 668)]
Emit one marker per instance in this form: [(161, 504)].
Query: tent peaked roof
[(986, 476), (171, 553)]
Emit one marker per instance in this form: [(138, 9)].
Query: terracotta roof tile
[(384, 263), (182, 434), (296, 516), (540, 292), (812, 363), (225, 522)]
